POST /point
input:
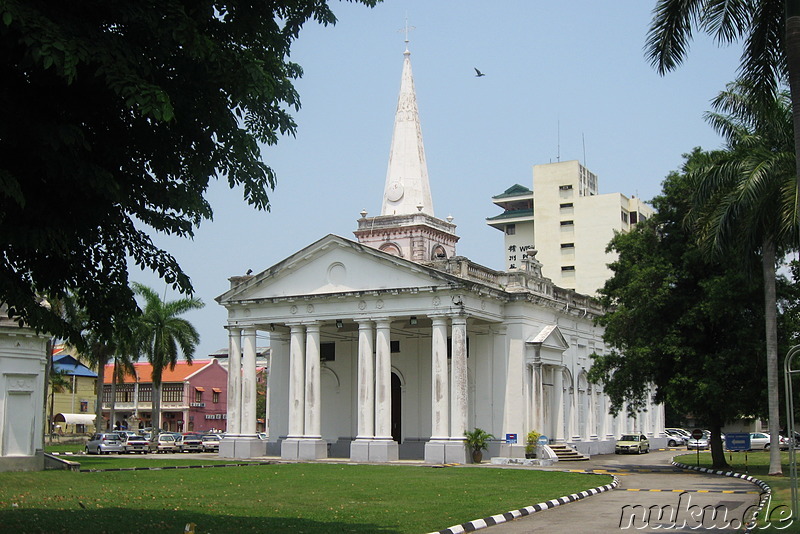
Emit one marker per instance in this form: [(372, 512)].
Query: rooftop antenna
[(558, 140), (583, 139), (405, 30)]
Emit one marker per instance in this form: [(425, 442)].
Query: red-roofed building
[(193, 397)]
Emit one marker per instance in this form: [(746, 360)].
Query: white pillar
[(383, 381), (458, 388), (313, 428), (234, 381), (248, 411), (296, 382), (558, 389), (538, 398), (439, 383), (366, 382)]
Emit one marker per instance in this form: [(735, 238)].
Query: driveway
[(652, 496)]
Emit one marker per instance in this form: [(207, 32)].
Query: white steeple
[(407, 227), (407, 190)]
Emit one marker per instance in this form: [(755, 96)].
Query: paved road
[(646, 481)]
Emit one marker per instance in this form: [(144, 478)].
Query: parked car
[(104, 443), (675, 438), (697, 444), (163, 443), (637, 443), (135, 443), (189, 443), (210, 443), (761, 441)]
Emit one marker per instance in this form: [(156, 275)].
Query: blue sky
[(564, 80)]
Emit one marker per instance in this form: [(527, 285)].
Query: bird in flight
[(478, 73)]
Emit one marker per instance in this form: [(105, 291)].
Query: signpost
[(697, 434), (511, 438), (738, 441)]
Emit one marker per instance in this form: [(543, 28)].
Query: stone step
[(569, 454)]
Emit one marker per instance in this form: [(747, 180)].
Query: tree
[(745, 205), (59, 383), (680, 321), (119, 114), (771, 56), (163, 336)]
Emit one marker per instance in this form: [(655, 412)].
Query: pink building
[(193, 397)]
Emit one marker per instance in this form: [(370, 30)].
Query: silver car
[(104, 443)]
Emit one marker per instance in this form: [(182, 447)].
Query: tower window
[(567, 268), (567, 245), (566, 205), (567, 223), (565, 187), (511, 229)]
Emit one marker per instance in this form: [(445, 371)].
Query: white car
[(759, 441)]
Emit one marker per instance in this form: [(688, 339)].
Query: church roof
[(407, 186)]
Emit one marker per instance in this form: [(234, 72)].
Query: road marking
[(741, 492)]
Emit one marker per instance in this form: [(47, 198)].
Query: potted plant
[(478, 441), (531, 441)]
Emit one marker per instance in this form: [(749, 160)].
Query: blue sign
[(737, 441), (511, 438), (543, 440)]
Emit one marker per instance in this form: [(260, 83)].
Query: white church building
[(391, 346)]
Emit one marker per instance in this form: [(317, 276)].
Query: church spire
[(407, 189)]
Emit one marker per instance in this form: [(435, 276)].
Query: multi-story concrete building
[(568, 224)]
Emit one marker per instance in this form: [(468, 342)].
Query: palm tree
[(59, 383), (771, 56), (162, 336), (745, 202)]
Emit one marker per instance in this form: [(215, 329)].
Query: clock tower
[(407, 226)]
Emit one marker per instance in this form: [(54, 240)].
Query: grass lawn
[(307, 498), (757, 465)]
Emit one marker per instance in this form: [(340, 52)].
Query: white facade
[(22, 371), (570, 222), (392, 347)]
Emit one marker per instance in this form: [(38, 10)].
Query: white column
[(439, 383), (248, 411), (296, 382), (313, 427), (234, 380), (383, 381), (558, 389), (458, 382), (366, 381), (538, 396)]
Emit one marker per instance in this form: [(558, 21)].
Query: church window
[(394, 346)]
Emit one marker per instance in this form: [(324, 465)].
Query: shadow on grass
[(121, 520)]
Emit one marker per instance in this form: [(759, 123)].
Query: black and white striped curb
[(166, 467), (528, 510), (766, 491)]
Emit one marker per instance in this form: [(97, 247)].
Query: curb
[(477, 524), (763, 500)]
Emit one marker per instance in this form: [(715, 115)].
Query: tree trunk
[(771, 324), (155, 417), (98, 408), (715, 445), (792, 43), (112, 411)]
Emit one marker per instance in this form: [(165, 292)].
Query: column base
[(290, 449), (312, 449), (445, 452), (242, 447), (359, 450), (383, 451)]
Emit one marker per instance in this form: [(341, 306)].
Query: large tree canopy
[(114, 116), (690, 325)]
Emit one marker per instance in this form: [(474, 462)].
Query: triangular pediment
[(550, 337), (335, 265)]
